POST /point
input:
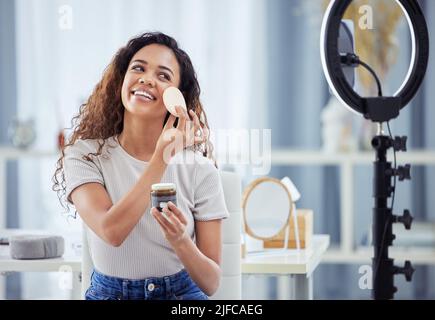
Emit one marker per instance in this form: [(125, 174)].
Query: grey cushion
[(36, 246)]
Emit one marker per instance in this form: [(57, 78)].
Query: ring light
[(332, 66)]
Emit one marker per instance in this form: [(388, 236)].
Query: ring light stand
[(380, 110)]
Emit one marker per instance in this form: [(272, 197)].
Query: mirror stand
[(268, 208), (274, 251)]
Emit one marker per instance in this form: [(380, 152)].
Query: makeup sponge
[(36, 246), (173, 97)]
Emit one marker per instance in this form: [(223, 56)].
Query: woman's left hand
[(174, 227)]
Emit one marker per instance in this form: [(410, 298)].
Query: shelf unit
[(8, 154), (346, 252)]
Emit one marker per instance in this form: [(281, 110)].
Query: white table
[(284, 263), (69, 263)]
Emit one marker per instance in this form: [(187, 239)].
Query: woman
[(124, 141)]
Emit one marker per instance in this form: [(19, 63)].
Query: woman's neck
[(139, 136)]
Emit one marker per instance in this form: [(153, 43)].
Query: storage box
[(305, 224)]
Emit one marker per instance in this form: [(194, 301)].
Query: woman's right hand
[(173, 140)]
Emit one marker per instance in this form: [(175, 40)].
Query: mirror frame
[(245, 197)]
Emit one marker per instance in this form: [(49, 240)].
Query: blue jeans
[(178, 286)]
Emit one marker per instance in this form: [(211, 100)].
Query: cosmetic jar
[(161, 194)]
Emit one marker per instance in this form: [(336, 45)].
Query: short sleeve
[(79, 170), (208, 193)]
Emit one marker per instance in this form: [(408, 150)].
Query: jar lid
[(163, 186)]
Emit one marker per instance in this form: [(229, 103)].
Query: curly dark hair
[(102, 116)]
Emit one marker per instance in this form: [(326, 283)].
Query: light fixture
[(379, 109)]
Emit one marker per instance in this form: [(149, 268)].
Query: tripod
[(383, 218)]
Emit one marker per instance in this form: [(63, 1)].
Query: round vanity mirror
[(267, 208)]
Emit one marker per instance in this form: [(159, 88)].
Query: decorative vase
[(22, 133)]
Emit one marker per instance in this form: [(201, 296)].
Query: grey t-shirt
[(145, 252)]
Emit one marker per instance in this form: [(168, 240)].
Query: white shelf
[(307, 157), (69, 262), (363, 255), (7, 263), (7, 153), (290, 261)]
